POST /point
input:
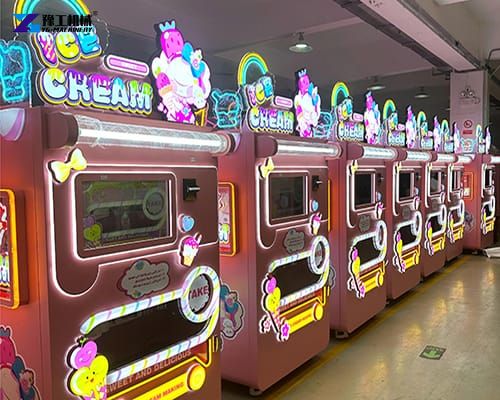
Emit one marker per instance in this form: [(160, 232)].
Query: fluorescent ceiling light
[(301, 46), (422, 94), (376, 85), (448, 2)]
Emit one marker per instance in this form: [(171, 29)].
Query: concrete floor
[(458, 308)]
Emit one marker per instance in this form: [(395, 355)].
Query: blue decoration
[(325, 124), (314, 206), (187, 223), (227, 108), (15, 71)]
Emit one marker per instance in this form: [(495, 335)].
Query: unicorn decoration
[(182, 76), (372, 120), (457, 140), (307, 104)]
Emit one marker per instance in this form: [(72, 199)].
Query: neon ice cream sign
[(182, 77), (393, 130), (372, 121), (348, 125), (266, 112), (60, 85)]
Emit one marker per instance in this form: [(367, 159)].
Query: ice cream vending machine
[(274, 212)]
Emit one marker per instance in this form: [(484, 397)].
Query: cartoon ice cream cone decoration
[(315, 223), (189, 249)]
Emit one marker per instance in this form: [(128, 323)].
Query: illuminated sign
[(457, 139), (15, 71), (59, 84), (392, 129), (448, 137), (436, 135), (227, 108), (373, 127), (9, 272), (307, 104), (412, 133), (348, 125), (227, 219), (266, 112), (182, 77), (426, 137)]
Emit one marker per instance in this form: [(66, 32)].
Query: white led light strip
[(287, 147), (441, 214), (379, 153), (96, 132), (380, 245), (416, 229), (495, 160), (210, 314), (447, 158), (418, 156), (321, 269), (466, 159)]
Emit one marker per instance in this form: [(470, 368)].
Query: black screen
[(405, 184), (456, 179), (287, 196), (363, 189), (488, 175), (435, 182)]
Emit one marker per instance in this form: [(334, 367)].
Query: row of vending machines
[(144, 259)]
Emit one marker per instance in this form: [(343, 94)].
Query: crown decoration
[(302, 72), (168, 25)]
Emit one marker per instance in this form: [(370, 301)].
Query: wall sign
[(307, 104), (182, 78), (348, 125), (266, 112), (227, 219), (61, 81), (9, 268)]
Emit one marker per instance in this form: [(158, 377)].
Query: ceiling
[(345, 47)]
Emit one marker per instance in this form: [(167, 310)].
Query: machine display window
[(288, 196), (488, 178), (133, 337), (367, 252), (364, 184), (435, 182), (405, 185), (456, 180), (407, 235), (122, 212)]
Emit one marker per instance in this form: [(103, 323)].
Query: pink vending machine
[(455, 193), (435, 212), (405, 186), (274, 213), (359, 232), (110, 286), (479, 189)]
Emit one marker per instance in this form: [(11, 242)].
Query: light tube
[(93, 131), (495, 160), (466, 159), (379, 153), (418, 156), (445, 158), (285, 147)]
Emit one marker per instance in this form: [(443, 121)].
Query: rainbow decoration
[(28, 7), (389, 108), (421, 119), (340, 87), (248, 60)]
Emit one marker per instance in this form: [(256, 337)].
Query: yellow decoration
[(62, 170)]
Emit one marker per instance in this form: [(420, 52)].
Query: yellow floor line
[(322, 359)]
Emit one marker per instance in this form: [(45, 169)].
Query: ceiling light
[(376, 85), (422, 94), (448, 2), (301, 46), (447, 109)]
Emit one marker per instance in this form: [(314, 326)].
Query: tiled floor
[(458, 309)]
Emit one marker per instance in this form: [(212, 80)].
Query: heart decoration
[(187, 223)]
